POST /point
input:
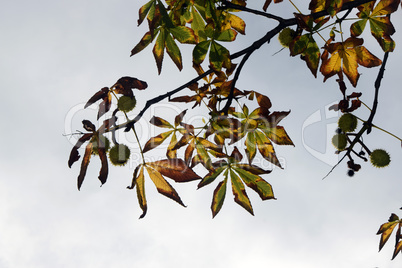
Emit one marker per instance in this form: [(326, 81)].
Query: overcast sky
[(55, 54)]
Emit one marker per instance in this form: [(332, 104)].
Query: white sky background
[(56, 54)]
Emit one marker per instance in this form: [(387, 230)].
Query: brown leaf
[(101, 94), (88, 126), (179, 118), (84, 165), (236, 154), (125, 85), (74, 155), (354, 95), (176, 169), (266, 4), (263, 101), (104, 167), (105, 105)]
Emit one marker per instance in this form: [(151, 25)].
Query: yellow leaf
[(162, 185), (345, 57), (140, 183)]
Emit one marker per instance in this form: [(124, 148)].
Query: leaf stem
[(298, 10)]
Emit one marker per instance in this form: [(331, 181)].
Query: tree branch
[(377, 86)]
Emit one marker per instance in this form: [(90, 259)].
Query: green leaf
[(239, 192), (218, 55), (144, 42), (200, 51), (165, 17), (299, 44), (159, 49), (143, 11), (211, 176), (174, 52), (255, 182), (198, 25), (312, 56), (183, 34), (227, 35), (251, 146), (219, 196)]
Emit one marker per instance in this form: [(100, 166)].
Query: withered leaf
[(125, 85), (104, 167), (84, 165), (74, 155), (88, 126), (162, 185), (176, 169), (101, 94)]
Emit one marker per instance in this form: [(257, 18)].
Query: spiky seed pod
[(286, 36), (96, 144), (380, 158), (119, 154), (126, 103), (340, 141), (347, 122)]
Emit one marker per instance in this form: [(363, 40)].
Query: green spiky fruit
[(340, 141), (347, 122), (380, 158), (104, 142), (119, 154), (286, 36), (126, 103)]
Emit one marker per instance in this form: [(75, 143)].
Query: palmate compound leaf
[(239, 174), (380, 24), (345, 57)]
